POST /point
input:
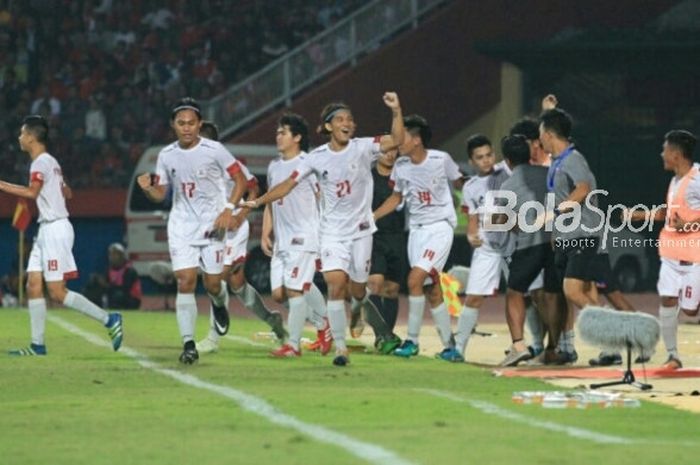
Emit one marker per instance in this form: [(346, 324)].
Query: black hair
[(328, 113), (38, 127), (209, 130), (475, 141), (557, 121), (186, 103), (515, 149), (527, 127), (298, 127), (683, 140), (416, 124)]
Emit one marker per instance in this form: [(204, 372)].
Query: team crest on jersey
[(324, 175), (297, 241), (172, 173), (353, 166)]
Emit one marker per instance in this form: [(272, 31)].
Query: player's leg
[(298, 268), (525, 267), (186, 261), (59, 265), (35, 301), (484, 278), (335, 265)]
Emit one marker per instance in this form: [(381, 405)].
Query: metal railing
[(275, 84)]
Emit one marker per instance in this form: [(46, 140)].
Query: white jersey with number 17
[(197, 177)]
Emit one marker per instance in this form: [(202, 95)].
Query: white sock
[(317, 311), (221, 299), (252, 301), (668, 318), (338, 322), (186, 312), (566, 341), (80, 303), (37, 319), (416, 307), (534, 325), (443, 324), (212, 335), (296, 319), (465, 325)]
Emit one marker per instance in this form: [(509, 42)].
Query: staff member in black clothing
[(389, 256)]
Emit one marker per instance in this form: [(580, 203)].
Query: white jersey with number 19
[(346, 184), (51, 203), (197, 177)]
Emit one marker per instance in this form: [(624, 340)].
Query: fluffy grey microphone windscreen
[(613, 329)]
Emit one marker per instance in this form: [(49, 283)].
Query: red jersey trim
[(70, 275), (233, 169), (36, 176)]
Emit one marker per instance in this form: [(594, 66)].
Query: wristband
[(228, 206)]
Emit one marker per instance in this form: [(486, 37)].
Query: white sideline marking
[(364, 450), (492, 409)]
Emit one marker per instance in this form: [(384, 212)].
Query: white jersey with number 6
[(346, 184), (197, 178)]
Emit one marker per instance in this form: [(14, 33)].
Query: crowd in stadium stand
[(105, 72)]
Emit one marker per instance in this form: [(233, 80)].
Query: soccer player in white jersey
[(679, 276), (490, 247), (422, 179), (51, 258), (295, 222), (196, 169), (343, 168), (236, 252)]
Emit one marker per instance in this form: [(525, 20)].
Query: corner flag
[(22, 216)]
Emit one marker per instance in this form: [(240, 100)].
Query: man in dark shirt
[(389, 256)]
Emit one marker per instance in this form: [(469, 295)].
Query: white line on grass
[(364, 450), (492, 409)]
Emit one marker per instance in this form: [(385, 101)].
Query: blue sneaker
[(115, 330), (450, 354), (407, 349), (33, 349)]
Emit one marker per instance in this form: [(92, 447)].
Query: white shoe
[(207, 346)]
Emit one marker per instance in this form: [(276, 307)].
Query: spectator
[(120, 288)]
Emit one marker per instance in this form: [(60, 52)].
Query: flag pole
[(20, 277)]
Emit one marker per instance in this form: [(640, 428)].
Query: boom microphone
[(618, 330)]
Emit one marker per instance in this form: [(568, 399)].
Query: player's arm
[(277, 192), (395, 138), (267, 229), (155, 193), (655, 214), (473, 230), (226, 219), (388, 206), (252, 190), (27, 192), (578, 195)]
